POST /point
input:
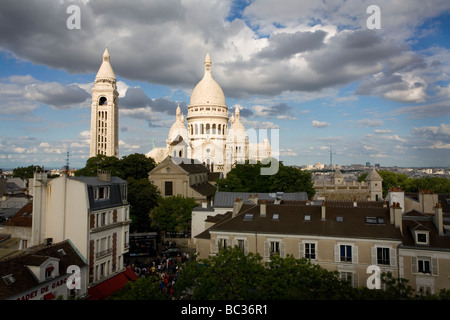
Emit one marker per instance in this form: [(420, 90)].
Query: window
[(168, 188), (340, 219), (424, 265), (371, 220), (421, 237), (49, 271), (383, 256), (276, 216), (103, 218), (9, 279), (241, 244), (310, 251), (307, 217), (101, 193), (274, 248), (222, 244), (346, 253), (248, 217)]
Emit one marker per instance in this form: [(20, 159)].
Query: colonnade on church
[(208, 128)]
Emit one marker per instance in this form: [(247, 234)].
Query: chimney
[(396, 215), (438, 219), (262, 207), (104, 175), (323, 210), (237, 206)]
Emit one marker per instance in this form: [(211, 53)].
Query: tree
[(230, 275), (100, 162), (26, 172), (247, 178), (136, 166), (173, 214), (143, 197), (392, 179), (144, 288)]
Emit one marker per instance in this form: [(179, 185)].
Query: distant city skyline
[(324, 75)]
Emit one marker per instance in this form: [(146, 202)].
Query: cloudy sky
[(325, 74)]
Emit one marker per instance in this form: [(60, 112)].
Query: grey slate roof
[(291, 221), (115, 198), (226, 199)]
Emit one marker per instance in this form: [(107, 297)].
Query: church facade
[(210, 135)]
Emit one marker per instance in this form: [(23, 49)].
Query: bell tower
[(105, 112)]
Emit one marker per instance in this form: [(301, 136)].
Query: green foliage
[(173, 213), (392, 179), (135, 166), (247, 178), (143, 197), (26, 172), (144, 288), (232, 275)]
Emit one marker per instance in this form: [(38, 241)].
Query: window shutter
[(373, 255), (337, 256), (235, 243), (413, 264), (216, 246), (355, 280), (354, 254), (282, 249), (434, 266), (393, 253), (301, 250), (266, 249), (246, 247)]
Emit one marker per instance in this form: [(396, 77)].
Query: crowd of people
[(167, 269)]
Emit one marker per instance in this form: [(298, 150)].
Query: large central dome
[(207, 91)]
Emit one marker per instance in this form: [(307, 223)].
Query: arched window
[(219, 129), (102, 101), (214, 128), (207, 128), (196, 128)]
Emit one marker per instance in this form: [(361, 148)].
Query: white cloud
[(320, 124)]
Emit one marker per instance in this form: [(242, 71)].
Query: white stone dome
[(207, 91)]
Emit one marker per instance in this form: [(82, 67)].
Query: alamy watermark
[(374, 20), (74, 20), (74, 280)]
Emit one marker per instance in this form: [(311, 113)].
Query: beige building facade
[(182, 176), (347, 239)]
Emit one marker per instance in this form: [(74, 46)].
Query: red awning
[(49, 296), (106, 288)]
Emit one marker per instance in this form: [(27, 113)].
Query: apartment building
[(93, 212), (343, 236)]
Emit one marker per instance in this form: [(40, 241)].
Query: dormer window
[(49, 271), (101, 193), (9, 279), (422, 237)]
